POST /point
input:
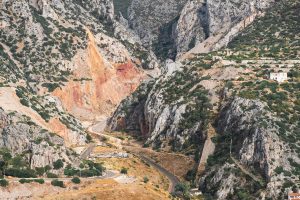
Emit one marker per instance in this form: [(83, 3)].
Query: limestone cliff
[(147, 17), (254, 144), (176, 27), (19, 135)]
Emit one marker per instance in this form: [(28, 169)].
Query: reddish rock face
[(98, 85), (61, 130)]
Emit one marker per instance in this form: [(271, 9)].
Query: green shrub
[(18, 162), (23, 180), (3, 183), (146, 179), (89, 138), (20, 173), (51, 175), (58, 164), (124, 170), (190, 175), (40, 181), (243, 194), (278, 170), (57, 183), (146, 145), (70, 171), (183, 189), (287, 184), (229, 84), (6, 156), (24, 102), (75, 180), (90, 173), (40, 170), (51, 86)]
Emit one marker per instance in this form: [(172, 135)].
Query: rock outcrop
[(255, 144), (158, 113), (147, 17), (182, 25), (192, 26), (39, 147)]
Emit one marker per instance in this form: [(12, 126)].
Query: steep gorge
[(70, 63), (177, 27)]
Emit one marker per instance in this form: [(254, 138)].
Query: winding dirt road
[(98, 128), (172, 178)]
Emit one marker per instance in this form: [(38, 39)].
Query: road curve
[(172, 178)]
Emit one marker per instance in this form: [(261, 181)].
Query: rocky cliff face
[(20, 136), (147, 17), (102, 9), (255, 144), (222, 21), (175, 27), (163, 116), (192, 26)]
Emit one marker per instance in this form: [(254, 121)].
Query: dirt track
[(172, 178)]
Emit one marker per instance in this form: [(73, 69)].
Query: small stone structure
[(279, 77)]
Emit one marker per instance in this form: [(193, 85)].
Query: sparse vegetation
[(145, 179), (40, 181), (58, 183), (75, 180), (58, 164), (51, 175), (3, 183), (124, 170)]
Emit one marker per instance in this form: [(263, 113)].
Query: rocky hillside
[(64, 65), (38, 147), (225, 97), (67, 59), (175, 27), (67, 64)]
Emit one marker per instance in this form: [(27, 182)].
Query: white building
[(293, 196), (279, 77)]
